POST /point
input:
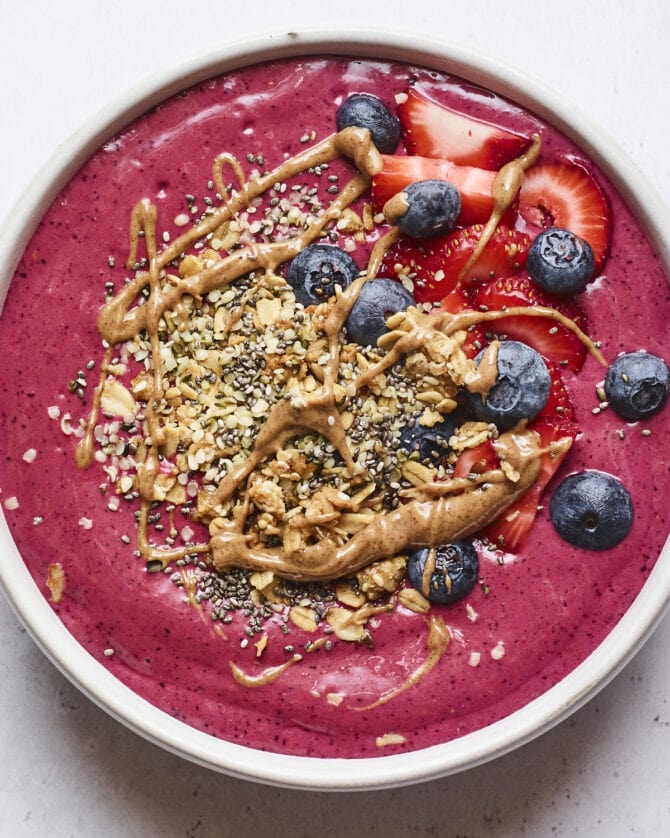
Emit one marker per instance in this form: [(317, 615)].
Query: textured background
[(66, 768)]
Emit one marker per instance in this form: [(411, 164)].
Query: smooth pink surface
[(550, 607)]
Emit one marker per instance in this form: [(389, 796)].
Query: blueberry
[(366, 111), (521, 389), (315, 271), (431, 444), (454, 574), (378, 299), (592, 510), (432, 209), (560, 262), (636, 385)]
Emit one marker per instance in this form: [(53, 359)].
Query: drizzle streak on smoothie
[(55, 581), (267, 676), (437, 643), (84, 451), (428, 570)]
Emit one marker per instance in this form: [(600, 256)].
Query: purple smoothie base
[(550, 607)]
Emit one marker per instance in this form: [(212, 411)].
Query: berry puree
[(261, 520)]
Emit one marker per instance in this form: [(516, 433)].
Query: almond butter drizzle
[(506, 185), (428, 570), (437, 643), (424, 521), (217, 172), (84, 451), (441, 512), (267, 676), (55, 581)]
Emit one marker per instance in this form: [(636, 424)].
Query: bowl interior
[(125, 704)]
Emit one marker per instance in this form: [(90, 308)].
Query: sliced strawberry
[(551, 339), (459, 300), (474, 185), (476, 460), (510, 530), (558, 410), (433, 130), (504, 255), (424, 261), (565, 194), (435, 264)]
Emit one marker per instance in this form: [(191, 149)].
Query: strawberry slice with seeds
[(558, 410), (476, 460), (433, 130), (555, 422), (459, 300), (565, 194), (504, 255), (436, 264), (473, 184), (551, 339), (423, 260)]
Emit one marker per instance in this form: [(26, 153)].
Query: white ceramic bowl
[(331, 774)]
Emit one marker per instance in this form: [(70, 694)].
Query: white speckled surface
[(66, 769)]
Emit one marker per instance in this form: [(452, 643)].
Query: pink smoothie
[(538, 615)]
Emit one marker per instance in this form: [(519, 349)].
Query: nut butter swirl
[(423, 521)]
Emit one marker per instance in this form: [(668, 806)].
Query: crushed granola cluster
[(225, 360)]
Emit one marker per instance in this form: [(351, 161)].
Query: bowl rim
[(90, 676)]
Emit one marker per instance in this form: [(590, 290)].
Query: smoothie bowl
[(333, 416)]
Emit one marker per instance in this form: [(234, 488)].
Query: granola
[(258, 417)]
